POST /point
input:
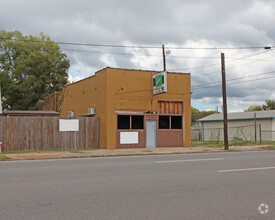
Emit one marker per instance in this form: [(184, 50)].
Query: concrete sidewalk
[(120, 152)]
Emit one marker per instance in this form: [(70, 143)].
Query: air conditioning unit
[(91, 111), (71, 114)]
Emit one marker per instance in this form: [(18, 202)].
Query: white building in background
[(241, 126)]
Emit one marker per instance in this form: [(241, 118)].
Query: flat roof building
[(136, 108)]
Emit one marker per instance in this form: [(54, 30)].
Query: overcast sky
[(175, 23)]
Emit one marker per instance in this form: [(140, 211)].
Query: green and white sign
[(159, 83)]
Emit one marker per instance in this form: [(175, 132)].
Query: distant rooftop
[(240, 116)]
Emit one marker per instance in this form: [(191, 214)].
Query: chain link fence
[(240, 133)]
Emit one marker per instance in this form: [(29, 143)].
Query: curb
[(108, 155), (39, 156)]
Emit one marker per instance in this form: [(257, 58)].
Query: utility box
[(71, 114), (91, 111)]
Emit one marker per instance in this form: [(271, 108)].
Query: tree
[(269, 105), (30, 69), (196, 113), (254, 108)]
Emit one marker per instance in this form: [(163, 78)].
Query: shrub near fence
[(42, 133)]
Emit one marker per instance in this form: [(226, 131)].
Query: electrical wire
[(148, 47), (242, 58), (236, 78), (197, 67), (137, 46), (234, 83)]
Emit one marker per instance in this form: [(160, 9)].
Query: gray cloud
[(188, 23)]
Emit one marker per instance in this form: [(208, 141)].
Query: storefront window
[(176, 122), (123, 122), (137, 122), (164, 122)]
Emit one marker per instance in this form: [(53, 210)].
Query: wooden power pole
[(225, 130), (164, 61)]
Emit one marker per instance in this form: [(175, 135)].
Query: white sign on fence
[(68, 125), (128, 137)]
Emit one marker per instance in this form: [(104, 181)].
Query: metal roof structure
[(235, 116)]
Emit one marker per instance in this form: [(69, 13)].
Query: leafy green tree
[(269, 105), (30, 69), (196, 113), (254, 108)]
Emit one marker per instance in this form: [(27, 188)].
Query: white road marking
[(192, 160), (247, 169)]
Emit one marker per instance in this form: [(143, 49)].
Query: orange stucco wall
[(114, 89), (88, 93)]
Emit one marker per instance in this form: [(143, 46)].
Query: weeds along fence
[(48, 133), (240, 133)]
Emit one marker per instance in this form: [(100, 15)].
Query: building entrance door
[(151, 133)]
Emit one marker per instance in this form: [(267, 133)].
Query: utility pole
[(164, 61), (225, 130), (255, 126), (0, 101)]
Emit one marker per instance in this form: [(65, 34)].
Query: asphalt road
[(189, 186)]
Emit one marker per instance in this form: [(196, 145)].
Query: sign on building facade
[(160, 83)]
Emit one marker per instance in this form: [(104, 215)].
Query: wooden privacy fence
[(45, 133)]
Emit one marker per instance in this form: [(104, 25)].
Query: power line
[(197, 67), (236, 78), (138, 46), (234, 83), (134, 54), (242, 58)]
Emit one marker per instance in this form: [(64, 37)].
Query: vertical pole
[(225, 131), (164, 61), (202, 126), (55, 109), (260, 132), (255, 126), (0, 101)]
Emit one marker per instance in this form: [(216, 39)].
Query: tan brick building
[(130, 114)]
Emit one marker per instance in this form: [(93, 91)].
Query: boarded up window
[(167, 107)]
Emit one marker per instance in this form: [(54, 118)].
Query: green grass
[(207, 143), (220, 143), (4, 157), (269, 142), (270, 147), (231, 150)]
